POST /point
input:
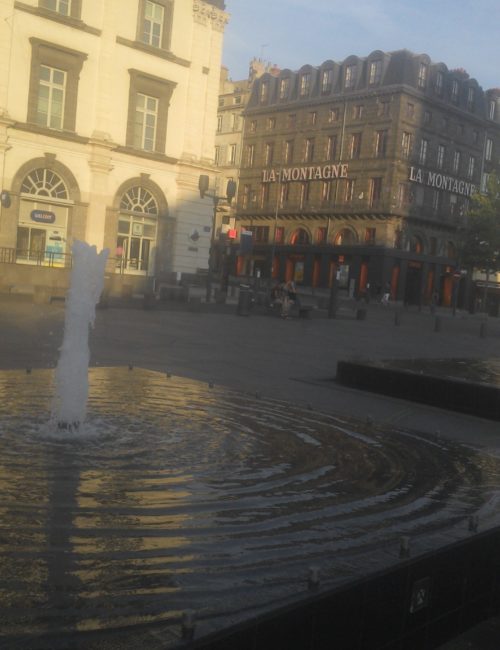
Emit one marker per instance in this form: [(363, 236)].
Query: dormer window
[(326, 81), (422, 75), (375, 73), (284, 88), (350, 77), (470, 99), (305, 84), (454, 91), (439, 83), (264, 92)]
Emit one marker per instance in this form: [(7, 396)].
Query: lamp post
[(203, 184)]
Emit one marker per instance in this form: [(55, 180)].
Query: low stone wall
[(421, 603)]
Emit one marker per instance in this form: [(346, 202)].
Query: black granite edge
[(473, 398)]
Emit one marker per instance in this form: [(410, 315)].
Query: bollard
[(473, 523), (404, 547), (397, 318), (483, 330), (188, 625), (438, 324), (313, 580)]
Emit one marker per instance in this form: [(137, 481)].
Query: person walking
[(289, 298)]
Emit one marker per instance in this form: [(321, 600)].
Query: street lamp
[(203, 184)]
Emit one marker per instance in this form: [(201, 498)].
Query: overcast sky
[(291, 33)]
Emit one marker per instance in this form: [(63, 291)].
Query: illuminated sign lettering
[(312, 173), (441, 181)]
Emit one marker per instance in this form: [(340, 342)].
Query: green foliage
[(482, 237)]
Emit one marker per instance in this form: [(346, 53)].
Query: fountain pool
[(174, 496)]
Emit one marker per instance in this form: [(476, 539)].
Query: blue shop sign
[(43, 216)]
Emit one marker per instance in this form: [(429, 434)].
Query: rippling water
[(176, 495)]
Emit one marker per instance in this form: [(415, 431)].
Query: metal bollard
[(188, 625), (404, 547)]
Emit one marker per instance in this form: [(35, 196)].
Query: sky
[(292, 33)]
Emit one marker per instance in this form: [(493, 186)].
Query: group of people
[(284, 294)]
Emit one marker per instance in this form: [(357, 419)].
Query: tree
[(481, 249)]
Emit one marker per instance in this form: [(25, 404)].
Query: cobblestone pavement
[(292, 359)]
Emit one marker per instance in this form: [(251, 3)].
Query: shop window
[(299, 237), (137, 231), (43, 219)]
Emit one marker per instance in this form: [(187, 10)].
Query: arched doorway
[(137, 231)]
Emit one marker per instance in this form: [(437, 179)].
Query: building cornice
[(207, 14)]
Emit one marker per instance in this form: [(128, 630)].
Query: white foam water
[(71, 378)]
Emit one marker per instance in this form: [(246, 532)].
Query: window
[(249, 155), (470, 99), (475, 136), (349, 190), (410, 110), (427, 117), (404, 195), (231, 156), (485, 179), (313, 118), (217, 156), (309, 150), (155, 23), (53, 89), (491, 113), (304, 194), (137, 229), (440, 156), (326, 191), (375, 191), (237, 99), (333, 115), (436, 201), (357, 111), (264, 195), (350, 77), (384, 109), (471, 166), (62, 7), (291, 121), (146, 115), (445, 123), (439, 83), (284, 194), (247, 192), (370, 236), (331, 148), (219, 123), (221, 102), (456, 162), (424, 146), (321, 235), (284, 88), (406, 144), (454, 91), (381, 143), (326, 81), (253, 126), (260, 233), (264, 92), (271, 123), (375, 72), (489, 149), (355, 148), (268, 153), (149, 99), (422, 75), (305, 84), (235, 121), (279, 234), (288, 152)]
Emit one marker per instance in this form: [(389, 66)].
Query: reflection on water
[(176, 496)]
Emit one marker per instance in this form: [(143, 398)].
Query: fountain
[(178, 496), (87, 281)]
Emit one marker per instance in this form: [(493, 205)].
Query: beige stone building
[(107, 114)]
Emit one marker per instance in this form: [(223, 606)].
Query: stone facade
[(364, 169), (107, 120)]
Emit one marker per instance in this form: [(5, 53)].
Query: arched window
[(416, 244), (345, 237), (137, 231), (300, 236), (43, 219)]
